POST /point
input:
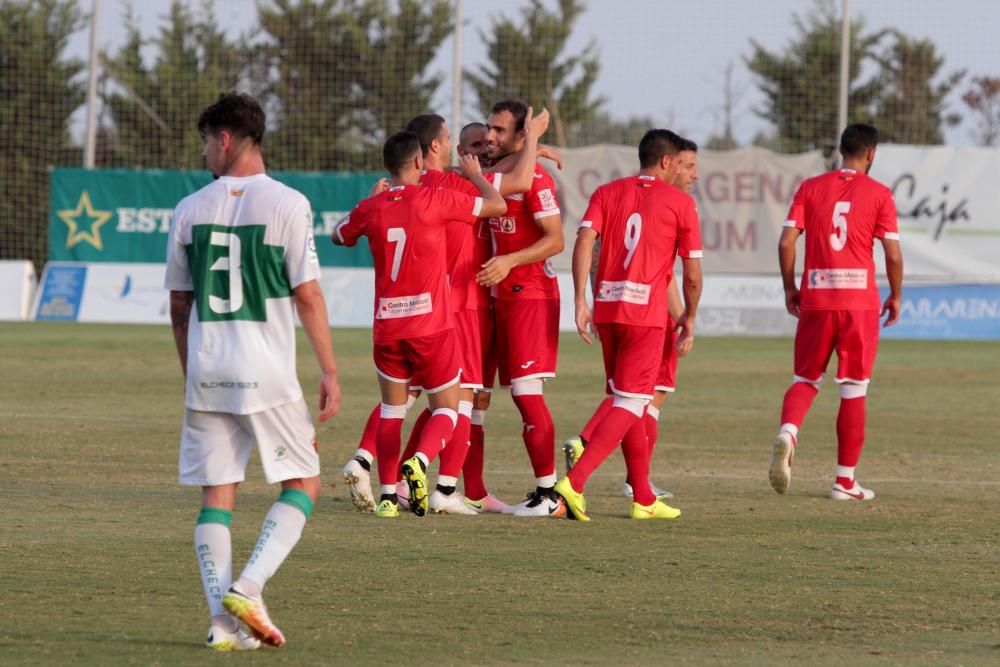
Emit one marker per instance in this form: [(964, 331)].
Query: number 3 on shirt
[(633, 230), (838, 239), (396, 235)]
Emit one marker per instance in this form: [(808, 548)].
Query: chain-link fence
[(336, 76)]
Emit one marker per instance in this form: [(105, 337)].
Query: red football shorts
[(632, 356), (527, 338), (852, 333), (434, 359), (666, 376), (469, 331)]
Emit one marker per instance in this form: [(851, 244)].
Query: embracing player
[(838, 305)]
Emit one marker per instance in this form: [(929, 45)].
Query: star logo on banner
[(84, 222)]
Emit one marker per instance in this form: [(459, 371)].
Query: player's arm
[(349, 229), (311, 307), (519, 169), (493, 203), (786, 262), (180, 317), (550, 243), (894, 272), (583, 256), (692, 282), (675, 306)]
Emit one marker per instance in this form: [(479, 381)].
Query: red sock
[(636, 449), (457, 449), (539, 433), (388, 438), (607, 435), (414, 440), (371, 427), (472, 471), (436, 434), (602, 411), (850, 431), (798, 400)]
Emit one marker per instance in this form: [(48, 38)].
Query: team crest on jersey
[(504, 225), (236, 192)]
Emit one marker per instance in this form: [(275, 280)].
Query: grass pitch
[(97, 565)]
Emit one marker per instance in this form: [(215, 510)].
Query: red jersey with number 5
[(842, 213), (405, 227), (644, 224), (518, 229)]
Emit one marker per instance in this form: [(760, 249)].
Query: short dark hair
[(475, 125), (398, 150), (857, 139), (517, 108), (655, 144), (685, 144), (239, 113), (427, 127)]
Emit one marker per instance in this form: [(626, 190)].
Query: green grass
[(97, 565)]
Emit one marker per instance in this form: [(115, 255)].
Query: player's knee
[(853, 389), (530, 387), (447, 412), (816, 384), (633, 404), (393, 411)]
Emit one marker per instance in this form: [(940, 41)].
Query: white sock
[(365, 454), (447, 480), (213, 548), (844, 471), (278, 536), (423, 459)]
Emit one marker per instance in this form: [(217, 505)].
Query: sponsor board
[(19, 282), (948, 312), (103, 292)]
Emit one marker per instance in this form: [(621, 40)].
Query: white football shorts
[(215, 446)]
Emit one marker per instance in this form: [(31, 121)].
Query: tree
[(154, 108), (731, 96), (525, 64), (38, 92), (341, 75), (800, 85), (983, 98), (909, 107)]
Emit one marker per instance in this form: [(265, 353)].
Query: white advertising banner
[(949, 210), (742, 195), (19, 281), (103, 292)]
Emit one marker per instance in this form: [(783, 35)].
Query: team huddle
[(464, 291)]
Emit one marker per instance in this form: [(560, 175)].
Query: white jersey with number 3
[(241, 245)]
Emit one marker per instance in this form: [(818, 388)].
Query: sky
[(664, 59)]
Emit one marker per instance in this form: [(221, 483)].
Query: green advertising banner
[(123, 215)]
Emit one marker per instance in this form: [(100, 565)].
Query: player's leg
[(666, 382), (286, 443), (636, 450), (213, 454), (446, 499), (573, 445), (856, 349), (394, 375), (357, 471), (815, 338)]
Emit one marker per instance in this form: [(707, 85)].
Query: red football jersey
[(643, 224), (842, 213), (464, 249), (517, 230), (405, 227)]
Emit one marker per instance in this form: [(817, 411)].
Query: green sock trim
[(215, 515), (298, 499)]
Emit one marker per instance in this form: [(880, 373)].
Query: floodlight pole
[(456, 94), (90, 145), (845, 69)]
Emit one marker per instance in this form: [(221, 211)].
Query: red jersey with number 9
[(644, 224), (842, 213), (405, 226)]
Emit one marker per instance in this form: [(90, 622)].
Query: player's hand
[(469, 164), (891, 308), (792, 301), (329, 396), (685, 336), (380, 186), (585, 323), (550, 153), (537, 124), (494, 271)]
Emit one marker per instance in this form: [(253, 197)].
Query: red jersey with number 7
[(405, 226), (842, 213), (644, 224)]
